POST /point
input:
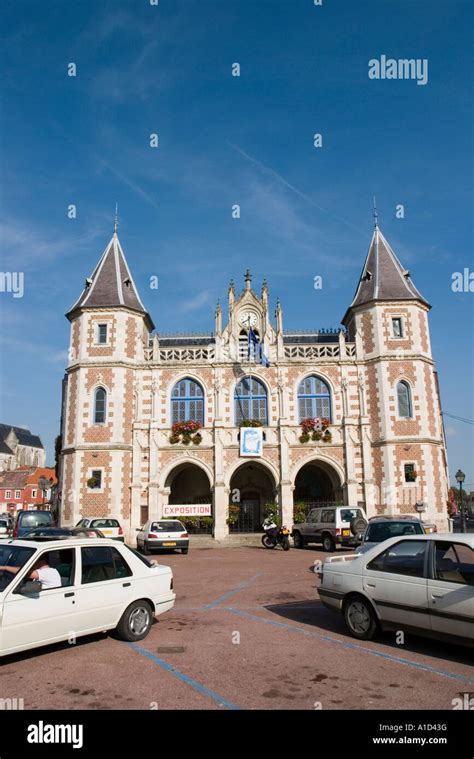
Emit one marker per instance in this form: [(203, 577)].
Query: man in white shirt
[(48, 576)]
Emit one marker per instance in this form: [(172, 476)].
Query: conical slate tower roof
[(383, 277), (111, 285)]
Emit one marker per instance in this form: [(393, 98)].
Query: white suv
[(93, 586), (331, 526)]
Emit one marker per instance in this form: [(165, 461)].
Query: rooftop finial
[(116, 219), (248, 280), (376, 218)]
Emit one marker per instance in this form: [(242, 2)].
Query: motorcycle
[(275, 535)]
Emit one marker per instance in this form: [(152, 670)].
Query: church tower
[(109, 334), (388, 320)]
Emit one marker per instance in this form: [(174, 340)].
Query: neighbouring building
[(20, 488), (374, 380), (19, 447)]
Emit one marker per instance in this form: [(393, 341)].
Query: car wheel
[(360, 618), (136, 621), (298, 540), (184, 550), (328, 544), (145, 550)]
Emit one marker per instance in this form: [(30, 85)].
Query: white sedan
[(59, 590), (419, 583)]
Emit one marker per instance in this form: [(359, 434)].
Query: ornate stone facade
[(382, 352)]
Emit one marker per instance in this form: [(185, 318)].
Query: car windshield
[(35, 520), (166, 527), (3, 523), (12, 556), (383, 530)]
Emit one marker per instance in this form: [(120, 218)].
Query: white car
[(162, 534), (4, 528), (419, 583), (100, 585), (111, 528)]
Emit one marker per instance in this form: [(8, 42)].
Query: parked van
[(25, 521)]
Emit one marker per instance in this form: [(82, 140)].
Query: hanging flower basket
[(91, 483), (197, 438), (233, 514), (411, 476)]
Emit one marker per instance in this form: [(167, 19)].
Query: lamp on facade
[(460, 477), (420, 506)]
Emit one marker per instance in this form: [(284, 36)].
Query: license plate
[(169, 544), (107, 532), (346, 533)]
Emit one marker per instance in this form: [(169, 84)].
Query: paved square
[(247, 632)]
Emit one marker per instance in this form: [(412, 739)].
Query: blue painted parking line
[(219, 700), (353, 646), (231, 593)]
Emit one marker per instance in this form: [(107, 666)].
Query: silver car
[(162, 535), (418, 583)]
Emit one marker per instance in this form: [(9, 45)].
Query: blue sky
[(143, 69)]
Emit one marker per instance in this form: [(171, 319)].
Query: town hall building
[(153, 423)]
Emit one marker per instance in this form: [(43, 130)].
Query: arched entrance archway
[(189, 485), (252, 486), (317, 482)]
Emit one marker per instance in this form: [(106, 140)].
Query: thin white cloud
[(194, 304), (271, 172), (25, 246)]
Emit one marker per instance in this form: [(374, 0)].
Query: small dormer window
[(368, 276), (127, 282), (102, 334)]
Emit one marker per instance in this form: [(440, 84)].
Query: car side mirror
[(30, 588)]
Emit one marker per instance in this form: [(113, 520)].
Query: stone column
[(286, 500), (351, 480), (221, 502), (135, 518), (153, 500)]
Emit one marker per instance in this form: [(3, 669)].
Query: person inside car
[(47, 576)]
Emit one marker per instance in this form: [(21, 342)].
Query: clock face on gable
[(248, 319)]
